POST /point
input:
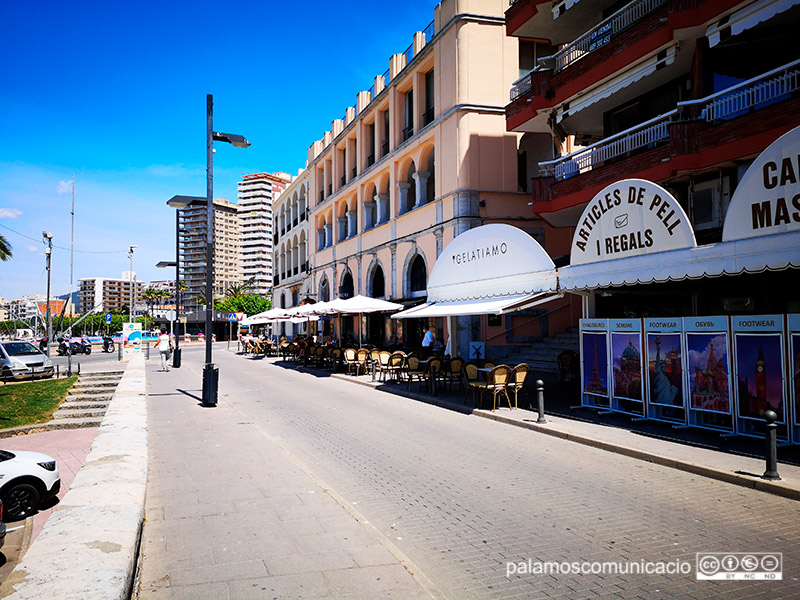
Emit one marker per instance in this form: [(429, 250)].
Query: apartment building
[(257, 193), (682, 94), (227, 269), (663, 139), (422, 156), (106, 294), (291, 281)]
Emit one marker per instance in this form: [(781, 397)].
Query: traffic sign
[(232, 317), (108, 317)]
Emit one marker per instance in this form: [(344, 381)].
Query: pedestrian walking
[(427, 341), (164, 347)]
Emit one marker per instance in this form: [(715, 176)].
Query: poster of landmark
[(665, 369), (709, 371), (796, 375), (594, 369), (626, 363), (759, 374)]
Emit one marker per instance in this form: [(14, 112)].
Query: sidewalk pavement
[(740, 461), (252, 523)]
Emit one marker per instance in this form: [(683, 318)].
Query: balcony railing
[(353, 173), (384, 148), (342, 181), (408, 132), (321, 195), (602, 33), (745, 97), (371, 159)]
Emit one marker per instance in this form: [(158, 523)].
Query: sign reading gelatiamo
[(767, 200), (629, 218), (480, 253)]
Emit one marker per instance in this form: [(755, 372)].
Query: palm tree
[(5, 249)]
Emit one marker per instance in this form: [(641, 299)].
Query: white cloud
[(33, 249), (9, 213), (64, 187)]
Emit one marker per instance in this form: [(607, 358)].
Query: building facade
[(192, 243), (423, 156), (682, 94), (257, 193), (291, 280), (106, 295)]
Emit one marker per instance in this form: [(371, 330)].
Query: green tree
[(250, 304), (5, 249)]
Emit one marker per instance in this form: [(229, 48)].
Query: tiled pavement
[(456, 496)]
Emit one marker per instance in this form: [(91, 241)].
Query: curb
[(769, 487), (89, 545)]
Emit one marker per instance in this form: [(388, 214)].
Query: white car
[(21, 360), (26, 480)]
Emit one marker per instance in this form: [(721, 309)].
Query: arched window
[(378, 285), (324, 290), (418, 277), (346, 290)]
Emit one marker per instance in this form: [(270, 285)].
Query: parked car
[(26, 480), (20, 360), (2, 527)]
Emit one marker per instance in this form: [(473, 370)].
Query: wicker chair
[(362, 358), (496, 383), (453, 372), (568, 365), (431, 372), (516, 380), (413, 370), (351, 360), (397, 362), (383, 363), (471, 378)]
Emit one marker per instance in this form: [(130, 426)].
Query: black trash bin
[(176, 358), (210, 384)]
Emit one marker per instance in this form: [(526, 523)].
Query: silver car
[(21, 360)]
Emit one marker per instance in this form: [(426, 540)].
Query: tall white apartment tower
[(256, 193)]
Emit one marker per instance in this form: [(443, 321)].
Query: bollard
[(540, 399), (771, 435), (58, 373), (119, 350), (147, 350)]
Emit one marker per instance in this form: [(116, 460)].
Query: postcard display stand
[(627, 379), (594, 364), (758, 343), (707, 351), (793, 327), (664, 364)]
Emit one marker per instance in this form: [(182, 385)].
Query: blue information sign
[(108, 317)]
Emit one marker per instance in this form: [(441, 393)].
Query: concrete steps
[(543, 355), (86, 404)]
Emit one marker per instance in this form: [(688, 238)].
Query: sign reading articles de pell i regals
[(630, 218)]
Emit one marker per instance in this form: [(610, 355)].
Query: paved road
[(463, 497)]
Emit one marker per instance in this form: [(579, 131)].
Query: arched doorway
[(376, 322)]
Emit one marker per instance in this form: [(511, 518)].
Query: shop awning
[(751, 255), (490, 269), (483, 306), (746, 18)]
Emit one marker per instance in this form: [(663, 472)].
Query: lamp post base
[(176, 358), (210, 384)]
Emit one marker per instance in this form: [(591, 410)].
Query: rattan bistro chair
[(516, 380), (496, 383), (383, 363), (350, 360), (413, 370), (397, 362), (472, 381), (452, 371)]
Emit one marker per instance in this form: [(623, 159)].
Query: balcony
[(371, 160), (742, 99), (384, 148), (353, 173), (408, 132), (342, 181)]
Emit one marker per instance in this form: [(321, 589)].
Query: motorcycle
[(73, 346), (108, 344), (84, 345), (43, 345)]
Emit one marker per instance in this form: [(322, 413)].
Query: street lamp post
[(130, 276), (210, 372), (48, 239)]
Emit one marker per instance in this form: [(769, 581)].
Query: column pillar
[(328, 234), (421, 179), (342, 223), (382, 201), (369, 214), (352, 222), (402, 196)]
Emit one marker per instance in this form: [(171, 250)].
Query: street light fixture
[(48, 239)]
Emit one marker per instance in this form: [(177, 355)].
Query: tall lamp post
[(48, 239), (210, 372), (130, 275)]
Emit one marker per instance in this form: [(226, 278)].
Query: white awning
[(746, 18), (751, 255), (615, 84), (482, 306)]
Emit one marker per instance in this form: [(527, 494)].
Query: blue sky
[(116, 94)]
